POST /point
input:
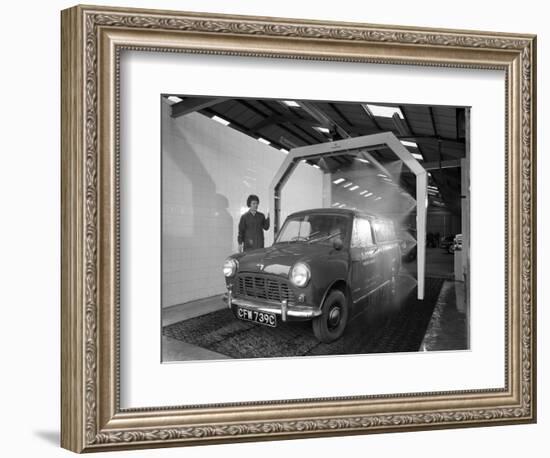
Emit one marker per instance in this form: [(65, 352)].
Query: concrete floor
[(439, 264), (448, 328), (175, 350), (180, 312)]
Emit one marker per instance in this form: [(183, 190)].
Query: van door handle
[(372, 251)]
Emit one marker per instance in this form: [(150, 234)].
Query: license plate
[(264, 318)]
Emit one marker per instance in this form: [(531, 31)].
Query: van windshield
[(313, 228)]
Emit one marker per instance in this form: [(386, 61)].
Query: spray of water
[(364, 186), (367, 185)]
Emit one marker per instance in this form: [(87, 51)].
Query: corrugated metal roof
[(437, 130)]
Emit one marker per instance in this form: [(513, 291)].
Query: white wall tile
[(208, 172)]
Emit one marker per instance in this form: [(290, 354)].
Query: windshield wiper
[(299, 238), (325, 237)]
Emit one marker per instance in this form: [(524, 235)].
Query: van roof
[(338, 211)]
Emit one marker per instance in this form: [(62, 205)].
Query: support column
[(327, 189), (421, 214), (465, 209)]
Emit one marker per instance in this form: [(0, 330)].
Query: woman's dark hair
[(251, 198)]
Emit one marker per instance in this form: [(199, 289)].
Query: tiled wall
[(208, 172)]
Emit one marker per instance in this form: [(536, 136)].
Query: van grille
[(262, 287)]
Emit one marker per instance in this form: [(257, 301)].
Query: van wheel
[(330, 325)]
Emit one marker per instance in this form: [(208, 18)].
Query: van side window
[(362, 234), (384, 231), (378, 231), (391, 231)]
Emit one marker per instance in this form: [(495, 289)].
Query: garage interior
[(217, 151)]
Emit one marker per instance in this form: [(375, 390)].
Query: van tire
[(330, 325)]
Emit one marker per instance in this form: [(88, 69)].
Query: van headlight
[(230, 267), (300, 274)]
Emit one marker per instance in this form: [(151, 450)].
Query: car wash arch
[(361, 146)]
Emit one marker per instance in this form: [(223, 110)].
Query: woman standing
[(251, 226)]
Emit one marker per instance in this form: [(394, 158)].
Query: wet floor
[(377, 325)]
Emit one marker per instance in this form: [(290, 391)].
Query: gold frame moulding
[(92, 41)]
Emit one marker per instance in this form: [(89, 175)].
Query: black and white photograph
[(275, 229), (304, 228)]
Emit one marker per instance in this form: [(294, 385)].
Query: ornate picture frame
[(92, 41)]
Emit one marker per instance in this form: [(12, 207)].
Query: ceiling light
[(264, 141), (411, 144), (316, 166), (347, 185), (284, 150), (291, 103), (342, 206), (382, 175), (336, 204), (363, 192), (324, 130), (432, 187), (378, 198), (384, 111), (220, 120), (369, 194), (418, 156), (362, 160), (339, 180), (353, 188), (174, 99)]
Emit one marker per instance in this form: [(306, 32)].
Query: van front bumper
[(287, 312)]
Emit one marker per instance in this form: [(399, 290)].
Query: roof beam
[(432, 119), (430, 137), (371, 116), (325, 120), (451, 164), (318, 114), (278, 119), (287, 128), (342, 115), (243, 129), (192, 104), (406, 120)]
